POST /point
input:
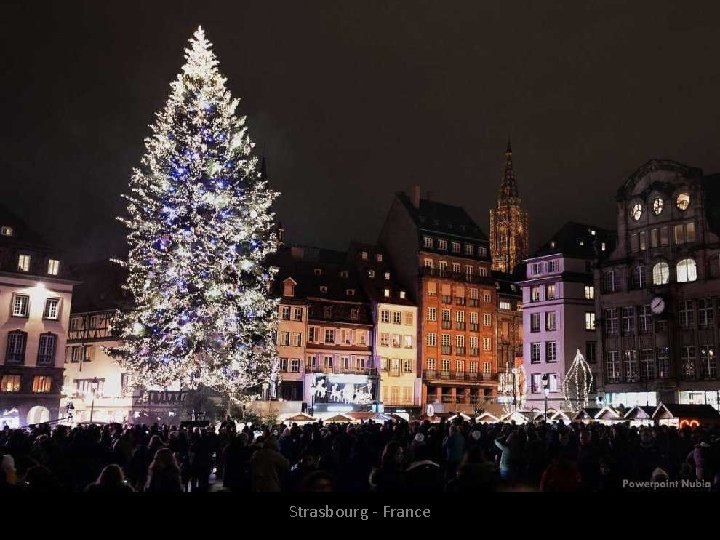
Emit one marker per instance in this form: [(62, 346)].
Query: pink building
[(559, 309)]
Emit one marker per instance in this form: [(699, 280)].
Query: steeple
[(508, 222), (508, 186)]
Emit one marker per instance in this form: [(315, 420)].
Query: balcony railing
[(460, 351), (455, 276), (460, 301), (458, 376), (446, 325), (474, 327), (459, 326), (474, 352), (446, 299), (474, 302), (446, 349)]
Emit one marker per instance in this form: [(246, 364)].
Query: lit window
[(42, 384), (658, 205), (456, 247), (589, 292), (686, 270), (683, 201), (589, 321), (363, 255), (387, 293), (371, 274), (53, 267), (10, 383), (387, 275), (427, 242), (52, 308), (379, 257), (6, 230), (442, 244), (636, 211), (24, 263), (402, 295), (661, 273), (323, 289), (468, 249)]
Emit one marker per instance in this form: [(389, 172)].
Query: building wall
[(459, 387), (30, 394), (292, 379), (570, 306), (667, 354), (399, 237), (398, 364)]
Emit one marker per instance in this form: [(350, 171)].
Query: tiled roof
[(442, 218), (579, 240)]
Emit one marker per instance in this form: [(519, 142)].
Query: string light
[(578, 382), (196, 318)]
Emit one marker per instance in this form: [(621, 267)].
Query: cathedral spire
[(508, 186), (508, 222)]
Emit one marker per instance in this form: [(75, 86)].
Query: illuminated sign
[(342, 388)]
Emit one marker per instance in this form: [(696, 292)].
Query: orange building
[(441, 256)]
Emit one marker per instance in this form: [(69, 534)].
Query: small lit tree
[(578, 383)]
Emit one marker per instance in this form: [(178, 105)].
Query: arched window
[(46, 349), (686, 270), (16, 341), (661, 273)]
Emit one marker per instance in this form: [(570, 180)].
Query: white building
[(559, 311), (35, 301)]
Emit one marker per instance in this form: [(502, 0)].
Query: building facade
[(338, 373), (509, 338), (291, 336), (395, 328), (35, 298), (659, 290), (509, 235), (442, 259), (559, 311)]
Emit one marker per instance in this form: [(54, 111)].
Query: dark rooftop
[(579, 240), (443, 218)]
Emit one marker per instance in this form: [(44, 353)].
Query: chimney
[(416, 195)]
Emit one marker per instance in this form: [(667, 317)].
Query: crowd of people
[(398, 456)]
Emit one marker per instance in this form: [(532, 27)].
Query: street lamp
[(546, 390), (514, 387), (93, 389)]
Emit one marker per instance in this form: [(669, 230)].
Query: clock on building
[(657, 305)]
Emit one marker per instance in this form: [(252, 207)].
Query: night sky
[(352, 101)]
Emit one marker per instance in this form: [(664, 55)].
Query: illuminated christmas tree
[(200, 227), (578, 383)]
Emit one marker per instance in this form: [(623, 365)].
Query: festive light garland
[(199, 228), (577, 383)]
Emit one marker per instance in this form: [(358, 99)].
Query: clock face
[(657, 305), (683, 201), (637, 211), (658, 205)]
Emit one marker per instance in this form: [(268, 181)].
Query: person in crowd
[(390, 475), (111, 480), (163, 473), (268, 467)]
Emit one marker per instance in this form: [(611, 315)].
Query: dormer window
[(387, 293), (24, 263), (371, 273), (379, 257), (323, 289), (402, 295), (344, 273), (456, 247), (442, 244), (350, 292), (317, 271), (427, 242), (289, 287), (53, 267), (6, 230), (363, 255), (387, 275)]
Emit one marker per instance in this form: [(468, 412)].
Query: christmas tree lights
[(199, 228), (577, 383)]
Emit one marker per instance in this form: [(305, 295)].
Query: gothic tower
[(508, 223)]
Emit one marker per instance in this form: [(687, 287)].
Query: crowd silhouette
[(397, 456)]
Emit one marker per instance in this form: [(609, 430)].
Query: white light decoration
[(197, 318), (577, 383)]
